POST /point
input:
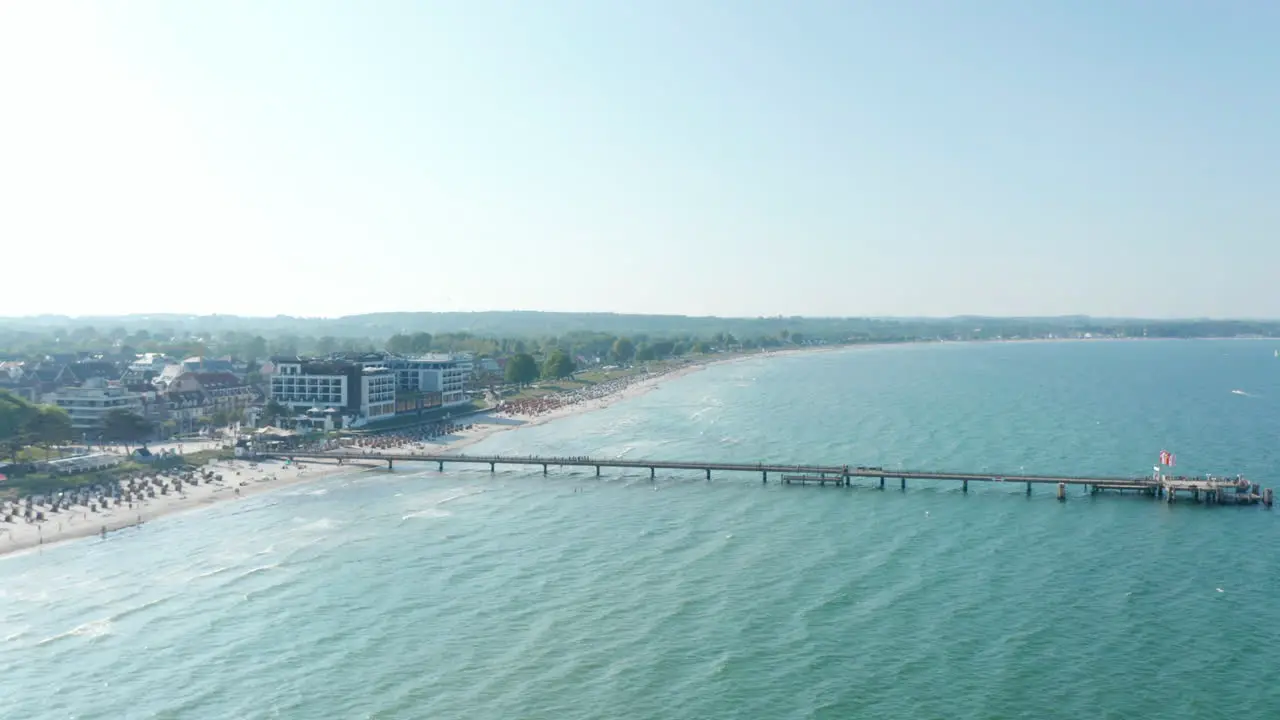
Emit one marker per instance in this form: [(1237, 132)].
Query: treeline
[(514, 332)]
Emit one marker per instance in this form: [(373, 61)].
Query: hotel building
[(359, 392)]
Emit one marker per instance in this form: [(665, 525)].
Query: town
[(65, 390), (56, 407)]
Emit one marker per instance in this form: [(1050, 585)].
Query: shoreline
[(78, 522), (259, 477), (254, 478)]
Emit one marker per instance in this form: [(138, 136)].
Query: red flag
[(1172, 460), (1164, 457)]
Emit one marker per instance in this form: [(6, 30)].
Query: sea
[(465, 594)]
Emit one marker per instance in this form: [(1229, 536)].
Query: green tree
[(285, 345), (558, 365), (15, 413), (327, 345), (274, 412), (400, 344), (646, 353), (255, 348), (701, 348), (521, 369), (797, 338), (623, 350), (47, 426), (125, 427), (663, 349), (420, 342), (679, 349)]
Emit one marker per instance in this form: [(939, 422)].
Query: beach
[(240, 479)]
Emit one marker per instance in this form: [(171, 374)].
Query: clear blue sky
[(696, 157)]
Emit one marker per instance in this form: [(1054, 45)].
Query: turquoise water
[(464, 595)]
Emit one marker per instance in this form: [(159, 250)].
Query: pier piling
[(1028, 489), (1062, 491), (965, 486), (652, 473), (904, 483), (492, 467), (442, 466), (390, 466), (708, 473), (544, 468)]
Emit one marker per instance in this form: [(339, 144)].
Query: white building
[(360, 393), (151, 362), (377, 393), (432, 373), (90, 402)]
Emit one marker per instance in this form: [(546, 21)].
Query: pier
[(1209, 490)]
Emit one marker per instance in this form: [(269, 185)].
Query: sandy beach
[(242, 478)]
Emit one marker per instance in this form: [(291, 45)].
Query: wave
[(135, 610), (428, 513), (211, 573), (459, 496), (434, 510), (259, 570), (92, 629)]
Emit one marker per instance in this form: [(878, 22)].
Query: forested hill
[(528, 324)]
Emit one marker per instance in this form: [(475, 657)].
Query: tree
[(255, 348), (623, 349), (285, 345), (125, 427), (558, 365), (663, 349), (327, 345), (400, 344), (274, 412), (420, 342), (521, 369), (47, 426), (646, 353), (15, 413), (797, 338), (701, 348)]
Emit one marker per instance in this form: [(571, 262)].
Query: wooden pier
[(1214, 491)]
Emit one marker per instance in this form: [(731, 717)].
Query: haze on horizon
[(711, 158)]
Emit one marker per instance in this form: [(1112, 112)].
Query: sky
[(717, 157)]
